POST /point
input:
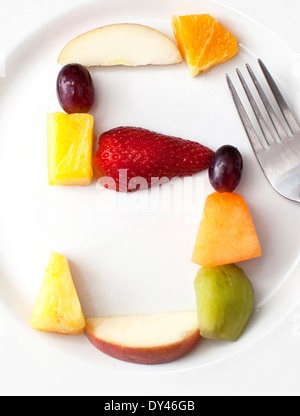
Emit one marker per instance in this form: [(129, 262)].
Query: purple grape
[(226, 169), (75, 89)]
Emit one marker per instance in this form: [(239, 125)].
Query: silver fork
[(278, 153)]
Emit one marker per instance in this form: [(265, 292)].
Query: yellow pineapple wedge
[(58, 307), (70, 146)]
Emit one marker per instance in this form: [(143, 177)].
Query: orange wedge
[(203, 42)]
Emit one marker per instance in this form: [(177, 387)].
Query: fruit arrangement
[(129, 159)]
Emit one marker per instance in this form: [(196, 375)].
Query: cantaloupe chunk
[(227, 233), (58, 307)]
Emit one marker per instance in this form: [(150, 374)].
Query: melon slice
[(227, 233)]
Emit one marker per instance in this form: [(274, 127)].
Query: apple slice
[(145, 339), (121, 44)]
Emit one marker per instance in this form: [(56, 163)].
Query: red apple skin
[(147, 356)]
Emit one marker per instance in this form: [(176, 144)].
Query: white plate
[(126, 255)]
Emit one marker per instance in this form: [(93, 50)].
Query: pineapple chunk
[(58, 308), (70, 145)]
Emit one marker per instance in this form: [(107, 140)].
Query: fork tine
[(276, 123), (254, 140), (263, 125), (284, 107)]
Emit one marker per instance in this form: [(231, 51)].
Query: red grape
[(226, 169), (75, 89)]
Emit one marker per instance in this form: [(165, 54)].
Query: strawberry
[(134, 158)]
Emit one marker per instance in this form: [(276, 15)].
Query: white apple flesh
[(145, 339), (121, 44)]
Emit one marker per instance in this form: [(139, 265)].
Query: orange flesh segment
[(203, 42), (226, 234)]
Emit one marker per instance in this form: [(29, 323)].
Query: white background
[(275, 368)]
